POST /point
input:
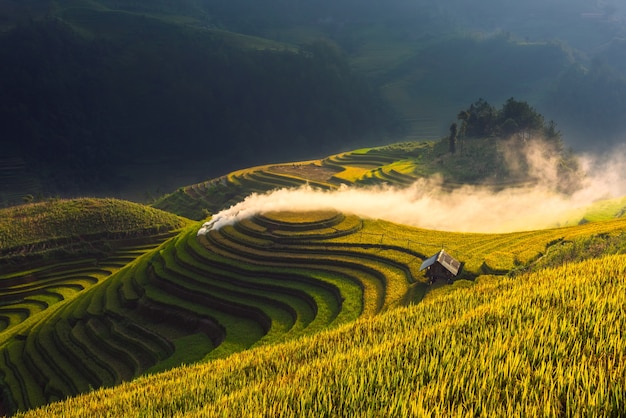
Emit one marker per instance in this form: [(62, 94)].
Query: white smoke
[(427, 204)]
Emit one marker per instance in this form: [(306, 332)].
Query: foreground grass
[(544, 344)]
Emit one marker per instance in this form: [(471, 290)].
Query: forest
[(99, 85), (77, 107)]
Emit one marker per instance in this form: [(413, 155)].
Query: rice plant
[(549, 343)]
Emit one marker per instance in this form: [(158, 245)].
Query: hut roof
[(445, 259)]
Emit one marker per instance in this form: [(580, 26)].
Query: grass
[(545, 344), (75, 244), (31, 292), (350, 167), (307, 297), (479, 161), (183, 291), (602, 210), (56, 224), (67, 249), (304, 292), (328, 270)]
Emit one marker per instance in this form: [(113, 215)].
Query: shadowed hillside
[(92, 97)]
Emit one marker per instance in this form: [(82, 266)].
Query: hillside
[(549, 343), (265, 280), (296, 288), (57, 229), (101, 96), (98, 292), (492, 162), (95, 98), (135, 294), (430, 58)]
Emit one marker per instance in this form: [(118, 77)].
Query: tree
[(481, 120), (515, 117), (463, 116), (519, 117), (452, 138), (551, 131)]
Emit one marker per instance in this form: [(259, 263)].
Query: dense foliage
[(514, 117), (78, 107)]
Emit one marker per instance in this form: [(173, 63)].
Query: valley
[(322, 208)]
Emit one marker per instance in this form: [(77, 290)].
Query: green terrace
[(271, 278), (397, 164), (27, 293), (97, 292), (267, 279)]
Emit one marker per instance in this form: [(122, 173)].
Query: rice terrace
[(269, 307), (272, 208)]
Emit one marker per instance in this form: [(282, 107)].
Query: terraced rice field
[(267, 279), (398, 164), (270, 278), (550, 343), (26, 293)]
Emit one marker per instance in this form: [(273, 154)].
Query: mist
[(428, 204)]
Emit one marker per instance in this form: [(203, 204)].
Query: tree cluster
[(515, 117), (512, 143)]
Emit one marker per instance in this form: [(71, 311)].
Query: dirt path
[(306, 171)]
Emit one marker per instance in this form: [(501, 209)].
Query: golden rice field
[(484, 253), (549, 343), (267, 280), (308, 313)]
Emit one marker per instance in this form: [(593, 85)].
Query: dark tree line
[(78, 107), (481, 119), (483, 158)]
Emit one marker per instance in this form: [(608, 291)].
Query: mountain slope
[(58, 229), (94, 96), (546, 343), (491, 162), (264, 280)]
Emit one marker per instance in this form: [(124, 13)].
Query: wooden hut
[(441, 266)]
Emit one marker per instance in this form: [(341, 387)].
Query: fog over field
[(470, 208)]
